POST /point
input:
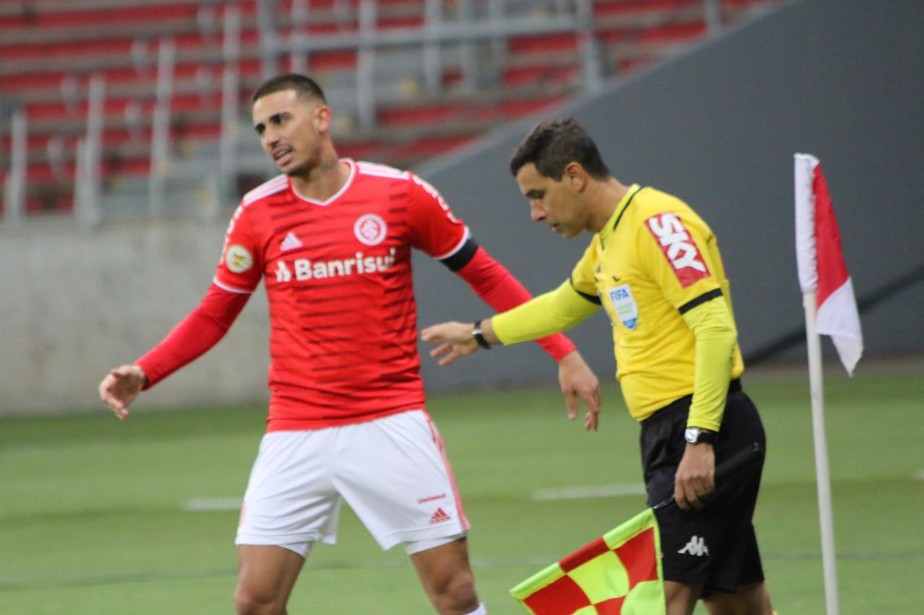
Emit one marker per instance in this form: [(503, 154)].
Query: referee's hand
[(695, 479)]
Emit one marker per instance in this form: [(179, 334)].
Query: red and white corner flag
[(821, 262)]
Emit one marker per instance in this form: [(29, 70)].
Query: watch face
[(695, 435)]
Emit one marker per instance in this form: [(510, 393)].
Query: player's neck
[(322, 182)]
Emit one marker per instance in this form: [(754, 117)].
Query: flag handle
[(822, 474), (728, 466)]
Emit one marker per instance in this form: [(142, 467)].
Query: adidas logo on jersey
[(439, 516), (696, 547), (291, 242)]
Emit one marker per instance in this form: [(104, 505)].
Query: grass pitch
[(101, 517)]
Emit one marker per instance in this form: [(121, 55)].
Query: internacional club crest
[(370, 229)]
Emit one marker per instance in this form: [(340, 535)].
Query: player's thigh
[(394, 473), (290, 499)]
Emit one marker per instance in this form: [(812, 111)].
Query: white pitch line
[(919, 475), (211, 504), (580, 493), (542, 495)]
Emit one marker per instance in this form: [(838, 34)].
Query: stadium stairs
[(50, 49)]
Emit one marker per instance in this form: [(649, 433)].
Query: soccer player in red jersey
[(331, 240)]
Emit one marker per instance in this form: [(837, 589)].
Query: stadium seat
[(50, 49)]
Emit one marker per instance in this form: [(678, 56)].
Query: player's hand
[(120, 387), (695, 478), (578, 381), (454, 341)]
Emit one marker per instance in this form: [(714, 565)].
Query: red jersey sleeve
[(440, 234), (502, 291), (241, 264), (433, 227), (194, 335)]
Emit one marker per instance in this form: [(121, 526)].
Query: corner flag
[(821, 262), (830, 309), (618, 573)]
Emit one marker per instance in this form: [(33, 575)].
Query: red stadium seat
[(50, 49)]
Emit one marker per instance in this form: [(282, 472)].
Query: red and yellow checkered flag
[(616, 574)]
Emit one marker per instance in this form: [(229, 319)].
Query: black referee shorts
[(715, 546)]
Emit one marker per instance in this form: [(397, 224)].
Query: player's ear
[(323, 116)]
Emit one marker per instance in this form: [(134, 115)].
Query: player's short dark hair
[(551, 145), (303, 86)]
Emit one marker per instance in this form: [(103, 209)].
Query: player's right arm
[(236, 276), (191, 338)]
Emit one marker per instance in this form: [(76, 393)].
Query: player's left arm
[(502, 291), (439, 233)]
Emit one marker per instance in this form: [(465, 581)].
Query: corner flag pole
[(822, 473), (830, 309)]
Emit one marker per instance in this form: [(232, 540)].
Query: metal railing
[(284, 38)]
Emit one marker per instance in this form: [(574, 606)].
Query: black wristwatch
[(698, 435), (478, 334)]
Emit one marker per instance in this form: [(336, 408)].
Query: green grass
[(92, 518)]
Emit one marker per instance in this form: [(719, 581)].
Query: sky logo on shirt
[(678, 247)]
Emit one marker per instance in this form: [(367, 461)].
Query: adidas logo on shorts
[(439, 516)]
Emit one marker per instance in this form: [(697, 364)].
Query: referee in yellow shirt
[(654, 266)]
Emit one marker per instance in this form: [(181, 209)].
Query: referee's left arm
[(716, 336)]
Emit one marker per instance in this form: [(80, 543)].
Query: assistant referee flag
[(618, 573), (822, 269)]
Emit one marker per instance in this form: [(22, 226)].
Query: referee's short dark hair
[(551, 145), (302, 84)]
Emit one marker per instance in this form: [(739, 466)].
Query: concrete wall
[(839, 79)]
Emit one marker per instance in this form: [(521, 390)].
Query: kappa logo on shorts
[(439, 516), (696, 547)]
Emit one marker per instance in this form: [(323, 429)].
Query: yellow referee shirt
[(656, 270)]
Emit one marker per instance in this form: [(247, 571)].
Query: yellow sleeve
[(553, 312), (716, 339)]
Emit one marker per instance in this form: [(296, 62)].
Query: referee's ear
[(576, 176)]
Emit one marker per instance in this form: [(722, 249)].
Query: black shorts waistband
[(684, 404)]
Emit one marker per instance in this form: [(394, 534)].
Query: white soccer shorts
[(393, 472)]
